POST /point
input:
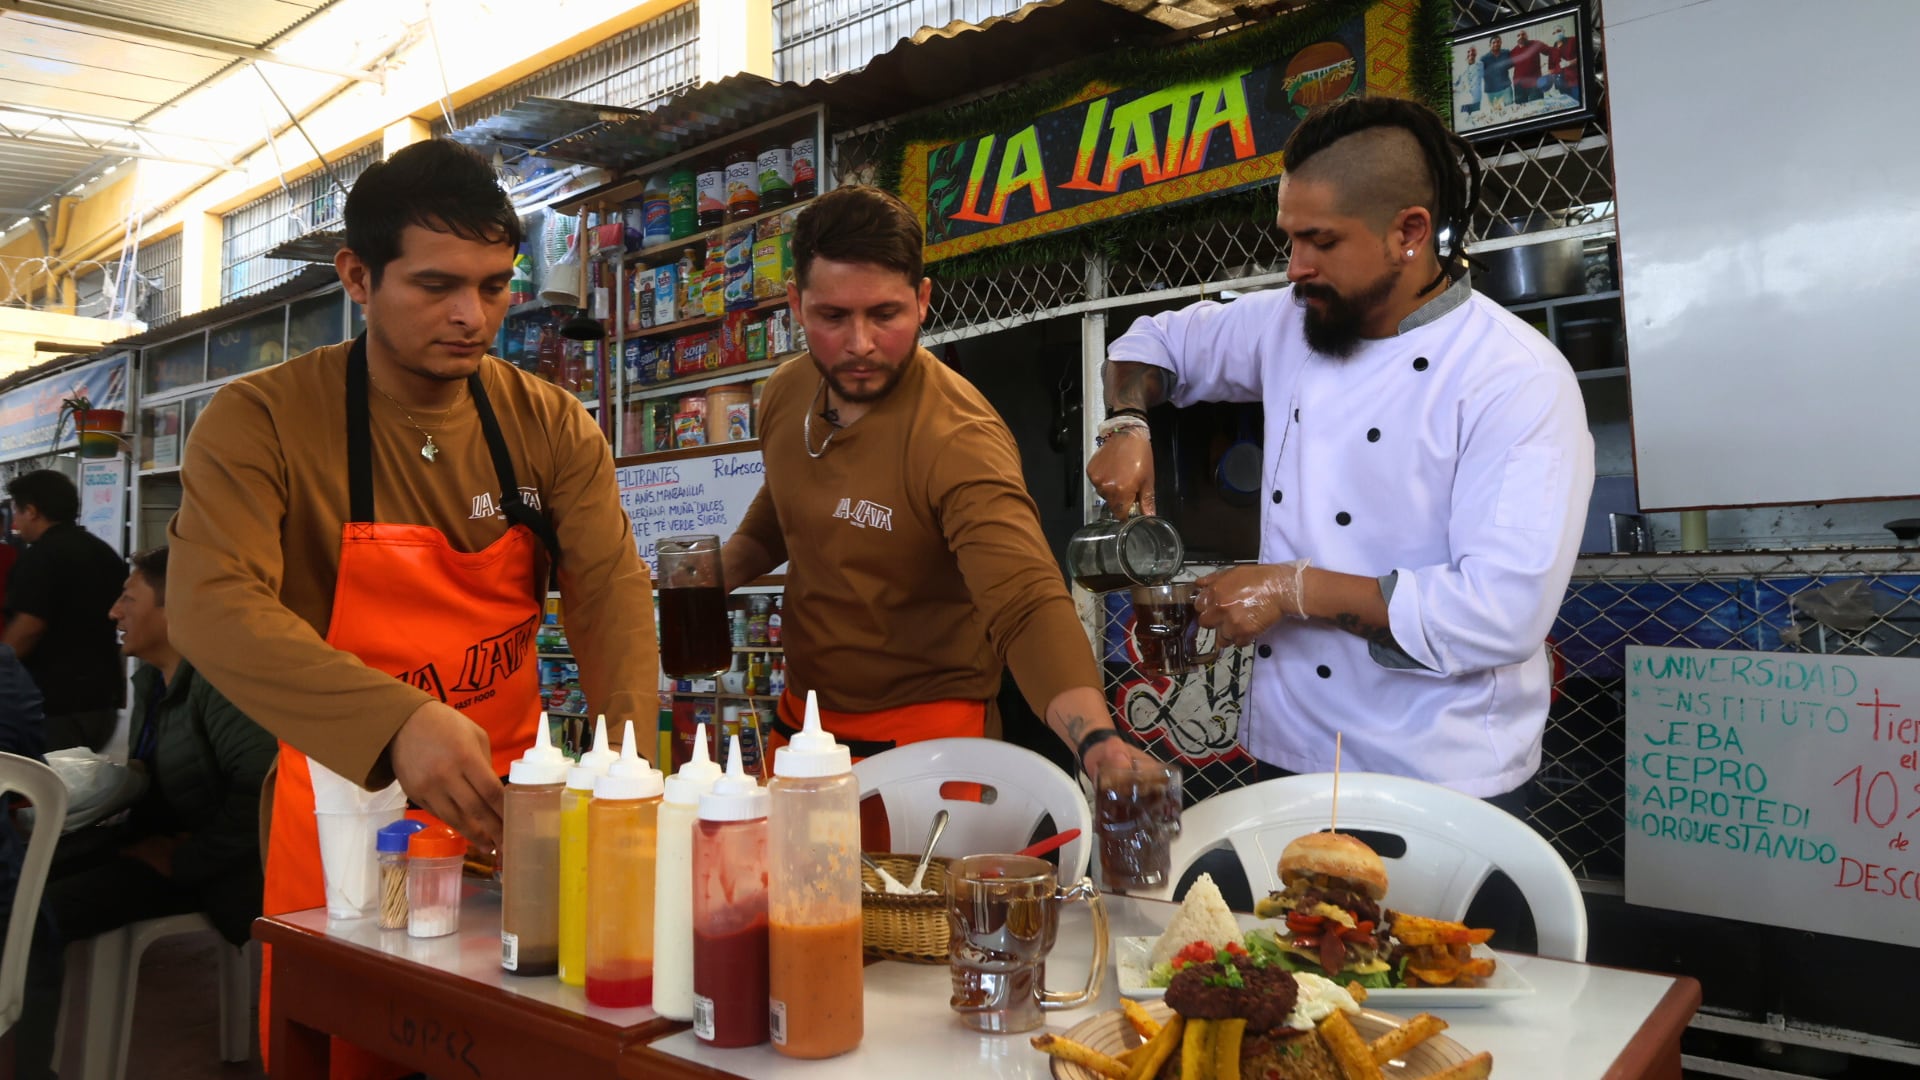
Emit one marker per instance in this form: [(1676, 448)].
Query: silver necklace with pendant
[(429, 450), (806, 425)]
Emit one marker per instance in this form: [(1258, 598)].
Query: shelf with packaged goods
[(685, 325), (682, 453), (686, 384), (662, 253), (554, 654), (724, 696), (758, 648)]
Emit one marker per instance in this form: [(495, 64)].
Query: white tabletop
[(471, 953), (1572, 1027)]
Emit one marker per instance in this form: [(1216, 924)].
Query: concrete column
[(735, 36), (407, 131)]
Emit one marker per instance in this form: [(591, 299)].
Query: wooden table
[(1583, 1022), (439, 1005)]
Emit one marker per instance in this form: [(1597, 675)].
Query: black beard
[(1336, 331)]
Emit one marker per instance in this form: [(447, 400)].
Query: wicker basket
[(907, 928)]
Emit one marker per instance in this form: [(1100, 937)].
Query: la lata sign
[(1110, 151)]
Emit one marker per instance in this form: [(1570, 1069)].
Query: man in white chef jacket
[(1427, 468)]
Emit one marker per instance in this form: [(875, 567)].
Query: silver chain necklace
[(806, 425), (430, 450)]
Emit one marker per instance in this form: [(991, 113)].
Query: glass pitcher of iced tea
[(695, 642), (1108, 554)]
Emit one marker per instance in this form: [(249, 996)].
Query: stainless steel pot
[(1517, 275)]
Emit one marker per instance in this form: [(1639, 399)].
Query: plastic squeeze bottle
[(673, 883), (573, 854), (530, 859), (730, 910), (622, 824), (813, 896)]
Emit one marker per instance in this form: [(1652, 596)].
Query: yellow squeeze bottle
[(573, 855)]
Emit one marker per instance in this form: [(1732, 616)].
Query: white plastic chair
[(113, 981), (1026, 787), (1454, 843), (43, 788)]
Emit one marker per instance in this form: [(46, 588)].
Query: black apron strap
[(359, 436), (512, 503), (859, 748), (360, 455)]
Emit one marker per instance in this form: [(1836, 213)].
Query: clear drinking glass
[(694, 637), (1003, 912), (1136, 814), (1167, 629)]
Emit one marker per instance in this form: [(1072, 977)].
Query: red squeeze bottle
[(730, 935)]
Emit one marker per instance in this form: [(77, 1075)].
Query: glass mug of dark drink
[(1136, 815), (1166, 627), (695, 640), (1003, 912), (1108, 554)]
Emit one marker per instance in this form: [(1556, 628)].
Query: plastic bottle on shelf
[(775, 167), (743, 185), (777, 678), (815, 978), (622, 837), (656, 212), (530, 858), (574, 801), (773, 624), (673, 882), (806, 183), (683, 215), (756, 674), (730, 932), (713, 195)]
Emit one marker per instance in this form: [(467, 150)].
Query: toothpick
[(1335, 813)]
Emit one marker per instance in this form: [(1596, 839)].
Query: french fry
[(1405, 1037), (1196, 1051), (1349, 1050), (1068, 1050), (1477, 1067), (1357, 992), (1434, 976), (1226, 1048), (1137, 1016), (1149, 1058)]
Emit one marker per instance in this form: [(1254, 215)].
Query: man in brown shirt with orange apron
[(365, 533), (916, 566)]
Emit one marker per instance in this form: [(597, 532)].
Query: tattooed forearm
[(1136, 386), (1361, 628), (1074, 728)]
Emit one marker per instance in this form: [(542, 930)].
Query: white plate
[(1130, 962)]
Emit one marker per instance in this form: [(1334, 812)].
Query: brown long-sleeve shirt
[(256, 546), (917, 568)]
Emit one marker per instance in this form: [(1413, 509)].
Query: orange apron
[(867, 734), (459, 625)]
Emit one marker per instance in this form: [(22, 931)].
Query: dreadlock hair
[(1451, 188)]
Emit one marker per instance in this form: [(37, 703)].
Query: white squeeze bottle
[(673, 882), (530, 858), (815, 977), (573, 854)]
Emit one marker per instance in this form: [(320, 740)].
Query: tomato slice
[(1299, 923)]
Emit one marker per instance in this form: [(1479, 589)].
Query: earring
[(1409, 253)]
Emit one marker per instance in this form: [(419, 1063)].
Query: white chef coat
[(1453, 461)]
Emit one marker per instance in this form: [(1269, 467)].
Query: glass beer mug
[(1108, 554)]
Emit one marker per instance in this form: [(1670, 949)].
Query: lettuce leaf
[(1161, 975)]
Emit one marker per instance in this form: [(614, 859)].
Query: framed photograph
[(1525, 74)]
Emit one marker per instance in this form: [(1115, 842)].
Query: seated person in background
[(192, 843)]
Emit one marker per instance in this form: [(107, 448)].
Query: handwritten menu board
[(693, 495), (1779, 788)]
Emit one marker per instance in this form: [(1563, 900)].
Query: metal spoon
[(933, 837), (885, 878)]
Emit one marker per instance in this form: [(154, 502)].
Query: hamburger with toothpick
[(1330, 905)]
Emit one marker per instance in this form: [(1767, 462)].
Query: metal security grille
[(632, 70), (817, 39), (309, 203), (90, 293), (158, 268)]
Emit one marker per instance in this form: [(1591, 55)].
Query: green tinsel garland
[(1136, 66)]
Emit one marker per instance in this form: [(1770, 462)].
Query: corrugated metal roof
[(248, 22), (935, 65)]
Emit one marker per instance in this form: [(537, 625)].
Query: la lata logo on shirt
[(865, 515)]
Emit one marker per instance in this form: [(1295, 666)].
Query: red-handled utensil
[(1051, 843)]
